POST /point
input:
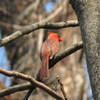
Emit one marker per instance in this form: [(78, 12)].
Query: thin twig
[(62, 88), (28, 94)]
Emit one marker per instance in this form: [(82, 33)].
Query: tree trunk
[(88, 12)]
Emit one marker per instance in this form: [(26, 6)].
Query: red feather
[(49, 49)]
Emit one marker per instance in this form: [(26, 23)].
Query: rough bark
[(88, 12)]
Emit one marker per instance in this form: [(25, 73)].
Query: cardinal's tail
[(44, 72)]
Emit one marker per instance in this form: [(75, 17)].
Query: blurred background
[(23, 54)]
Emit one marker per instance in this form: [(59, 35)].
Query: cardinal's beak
[(60, 39)]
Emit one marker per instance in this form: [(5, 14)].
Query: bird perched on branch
[(49, 49)]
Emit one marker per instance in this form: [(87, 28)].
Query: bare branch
[(57, 58), (62, 88), (16, 88), (68, 51), (29, 28), (28, 94), (33, 82)]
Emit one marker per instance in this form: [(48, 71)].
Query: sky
[(88, 79), (4, 63), (49, 6)]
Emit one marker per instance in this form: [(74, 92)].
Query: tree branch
[(57, 58), (33, 82), (16, 88), (68, 51), (42, 24), (62, 88)]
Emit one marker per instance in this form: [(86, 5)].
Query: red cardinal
[(49, 49)]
